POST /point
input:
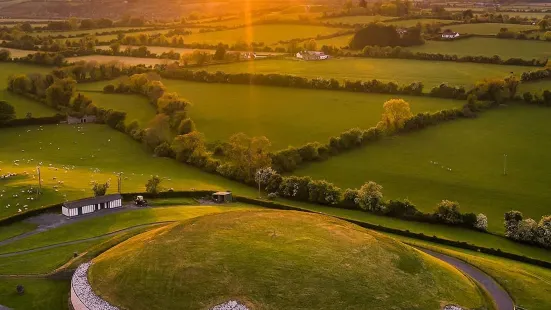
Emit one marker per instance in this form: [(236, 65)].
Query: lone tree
[(100, 189), (370, 197), (396, 113), (7, 112), (153, 185)]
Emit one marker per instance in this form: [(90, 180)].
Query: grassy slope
[(489, 47), (400, 71), (220, 110), (441, 231), (473, 149), (102, 225), (136, 107), (15, 229), (94, 153), (359, 19), (21, 104), (339, 41), (40, 294), (274, 260), (414, 22), (132, 61), (528, 285), (269, 34), (42, 262)]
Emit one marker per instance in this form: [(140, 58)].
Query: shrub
[(481, 222), (448, 212), (370, 197), (100, 189), (109, 89), (272, 196), (153, 185), (20, 289), (163, 150)]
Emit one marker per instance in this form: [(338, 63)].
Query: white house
[(449, 34), (89, 205), (311, 55)]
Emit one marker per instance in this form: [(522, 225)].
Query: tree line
[(527, 230)]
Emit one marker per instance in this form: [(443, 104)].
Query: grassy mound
[(274, 260)]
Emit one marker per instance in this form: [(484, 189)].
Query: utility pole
[(39, 182), (119, 182), (504, 164)]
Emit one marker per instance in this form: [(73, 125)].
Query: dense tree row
[(528, 230), (536, 75), (379, 34)]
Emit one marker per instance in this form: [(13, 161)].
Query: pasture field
[(339, 41), (247, 20), (79, 155), (267, 257), (269, 34), (136, 107), (359, 19), (132, 61), (160, 49), (413, 22), (16, 53), (415, 166), (82, 32), (535, 87), (16, 229), (400, 71), (526, 49), (109, 37), (528, 285), (489, 28), (21, 104), (220, 110)]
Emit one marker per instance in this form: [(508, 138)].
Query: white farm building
[(89, 205), (449, 34), (311, 55)]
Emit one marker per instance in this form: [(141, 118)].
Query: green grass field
[(269, 34), (340, 41), (82, 32), (40, 293), (78, 157), (22, 105), (414, 22), (303, 116), (110, 223), (400, 71), (359, 19), (160, 49), (528, 285), (15, 53), (136, 107), (488, 47), (15, 229), (269, 260), (132, 61), (536, 87), (489, 29), (473, 150)]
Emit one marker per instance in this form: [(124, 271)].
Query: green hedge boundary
[(279, 206)]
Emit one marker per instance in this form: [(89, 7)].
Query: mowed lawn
[(489, 28), (525, 49), (269, 34), (80, 155), (400, 71), (415, 166), (137, 108), (21, 104)]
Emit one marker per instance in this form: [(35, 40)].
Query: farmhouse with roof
[(311, 55), (89, 205), (449, 34)]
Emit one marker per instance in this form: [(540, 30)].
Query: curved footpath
[(501, 298), (81, 240)]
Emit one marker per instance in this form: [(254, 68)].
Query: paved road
[(497, 293), (80, 240)]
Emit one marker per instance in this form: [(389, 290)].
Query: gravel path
[(230, 305), (497, 293), (80, 240), (81, 289)]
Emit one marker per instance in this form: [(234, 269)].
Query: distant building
[(449, 34), (401, 31), (311, 55), (222, 197), (81, 120), (89, 205), (251, 55)]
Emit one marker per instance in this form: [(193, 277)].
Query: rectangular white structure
[(90, 205)]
